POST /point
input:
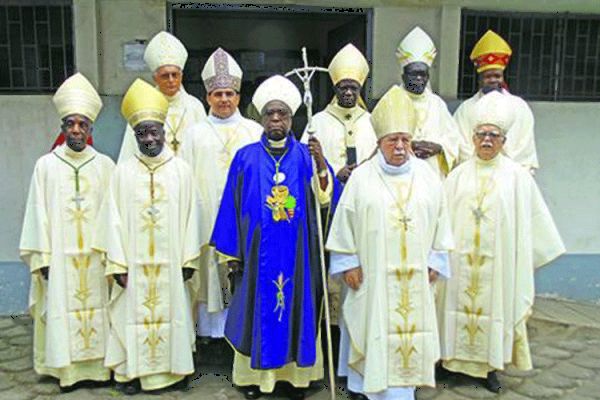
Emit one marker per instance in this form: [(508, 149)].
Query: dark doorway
[(267, 40)]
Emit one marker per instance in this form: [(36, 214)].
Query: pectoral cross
[(153, 212), (78, 199), (478, 214), (404, 220), (175, 144)]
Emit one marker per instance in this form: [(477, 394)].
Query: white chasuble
[(435, 124), (209, 151), (391, 223), (503, 231), (339, 128), (153, 232), (184, 111), (520, 138), (71, 324)]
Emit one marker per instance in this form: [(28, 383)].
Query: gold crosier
[(404, 275), (81, 262), (475, 261), (151, 217)]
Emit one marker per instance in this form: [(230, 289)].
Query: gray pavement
[(565, 341)]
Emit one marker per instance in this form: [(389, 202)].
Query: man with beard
[(212, 144), (68, 289), (503, 232), (436, 138), (165, 55), (152, 244), (490, 56), (266, 228)]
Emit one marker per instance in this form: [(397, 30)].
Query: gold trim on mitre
[(417, 46), (349, 63), (77, 96), (490, 52), (279, 88), (165, 49), (394, 113), (496, 109), (221, 71), (143, 102)]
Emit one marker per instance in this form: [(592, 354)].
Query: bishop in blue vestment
[(267, 229)]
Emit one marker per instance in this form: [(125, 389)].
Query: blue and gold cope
[(274, 314)]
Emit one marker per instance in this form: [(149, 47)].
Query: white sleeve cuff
[(339, 262), (439, 261)]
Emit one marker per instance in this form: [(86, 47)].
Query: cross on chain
[(78, 199), (478, 214), (153, 212), (404, 220), (175, 144)]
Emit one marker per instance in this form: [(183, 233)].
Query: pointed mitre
[(143, 102), (496, 109), (394, 113), (279, 88), (349, 63), (417, 46), (221, 72), (491, 52), (165, 49), (77, 96)]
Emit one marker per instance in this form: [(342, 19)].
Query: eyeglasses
[(492, 134)]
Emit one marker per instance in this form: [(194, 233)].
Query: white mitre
[(77, 96), (496, 109), (279, 88), (165, 49), (221, 72), (417, 46)]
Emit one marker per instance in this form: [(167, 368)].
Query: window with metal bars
[(556, 57), (36, 46)]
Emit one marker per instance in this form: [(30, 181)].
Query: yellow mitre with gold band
[(491, 52), (143, 102), (77, 96), (349, 63), (165, 49), (394, 113)]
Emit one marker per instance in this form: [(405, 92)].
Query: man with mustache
[(490, 56), (152, 245), (436, 138), (212, 145), (389, 239), (266, 230), (503, 232), (165, 55), (68, 289)]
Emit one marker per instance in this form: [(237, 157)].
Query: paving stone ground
[(566, 358)]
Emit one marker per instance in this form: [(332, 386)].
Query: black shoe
[(131, 388), (251, 392), (181, 385), (294, 393), (441, 373), (357, 396), (492, 383), (68, 389)]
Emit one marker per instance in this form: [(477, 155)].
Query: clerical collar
[(392, 169), (164, 155), (418, 97), (488, 163), (67, 152), (345, 114), (276, 147), (176, 97), (232, 119)]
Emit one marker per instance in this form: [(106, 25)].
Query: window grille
[(556, 57), (36, 46)]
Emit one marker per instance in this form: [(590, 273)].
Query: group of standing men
[(211, 220)]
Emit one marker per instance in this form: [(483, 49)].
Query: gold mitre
[(496, 109), (417, 46), (143, 102), (165, 49), (394, 113), (349, 63), (77, 96), (491, 52)]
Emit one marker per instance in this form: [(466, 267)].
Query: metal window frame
[(564, 83), (27, 88)]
